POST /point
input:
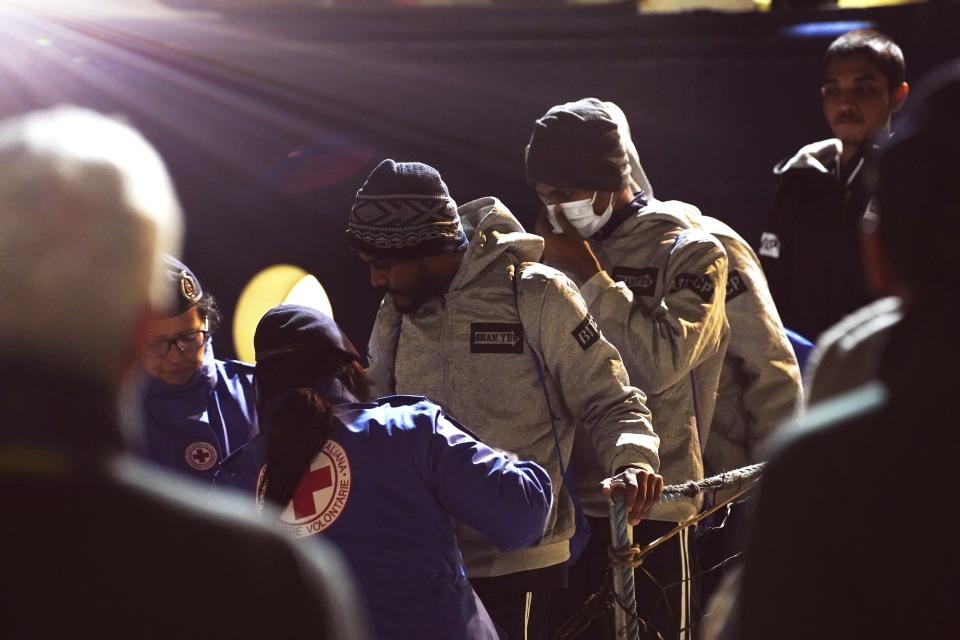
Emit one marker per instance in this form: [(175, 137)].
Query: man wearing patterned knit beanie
[(404, 213), (471, 320)]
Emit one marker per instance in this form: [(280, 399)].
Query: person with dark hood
[(760, 385), (657, 285), (197, 409), (380, 479)]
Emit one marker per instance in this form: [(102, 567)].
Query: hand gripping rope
[(625, 557)]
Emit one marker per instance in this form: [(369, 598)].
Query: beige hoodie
[(660, 300), (760, 381), (466, 351), (760, 384)]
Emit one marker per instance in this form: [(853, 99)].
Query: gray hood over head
[(493, 231), (638, 178)]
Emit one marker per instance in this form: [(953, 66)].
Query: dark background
[(270, 121)]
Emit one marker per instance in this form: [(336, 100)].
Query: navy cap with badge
[(185, 287)]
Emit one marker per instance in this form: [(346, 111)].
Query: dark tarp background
[(269, 121)]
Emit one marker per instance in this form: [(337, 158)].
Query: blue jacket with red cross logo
[(192, 428), (385, 487)]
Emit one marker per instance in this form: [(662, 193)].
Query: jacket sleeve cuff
[(596, 285), (630, 459)]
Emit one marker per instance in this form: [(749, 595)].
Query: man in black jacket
[(848, 543), (95, 545), (810, 249)]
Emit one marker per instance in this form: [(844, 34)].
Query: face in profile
[(857, 99), (174, 347), (410, 282)]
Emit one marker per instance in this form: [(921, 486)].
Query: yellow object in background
[(764, 5), (279, 284), (866, 4)]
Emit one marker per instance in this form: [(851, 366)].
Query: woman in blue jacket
[(197, 410), (379, 479)]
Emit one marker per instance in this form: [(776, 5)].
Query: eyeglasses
[(859, 92), (185, 342)]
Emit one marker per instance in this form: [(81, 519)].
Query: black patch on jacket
[(641, 281), (587, 332), (735, 285), (496, 337), (700, 285)]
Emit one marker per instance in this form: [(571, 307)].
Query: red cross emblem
[(201, 456), (321, 495), (311, 483)]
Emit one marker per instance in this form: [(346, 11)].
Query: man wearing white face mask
[(656, 286), (581, 214)]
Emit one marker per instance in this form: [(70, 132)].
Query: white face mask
[(581, 216)]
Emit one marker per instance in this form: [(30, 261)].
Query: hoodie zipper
[(444, 356)]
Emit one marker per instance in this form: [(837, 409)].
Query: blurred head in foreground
[(87, 212)]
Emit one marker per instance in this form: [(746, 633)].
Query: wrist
[(588, 269)]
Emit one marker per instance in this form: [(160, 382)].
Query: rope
[(743, 479), (625, 558), (728, 479), (627, 592)]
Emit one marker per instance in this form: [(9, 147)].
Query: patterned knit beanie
[(577, 145), (404, 210)]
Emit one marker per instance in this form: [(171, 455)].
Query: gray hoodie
[(660, 300), (760, 384), (469, 351)]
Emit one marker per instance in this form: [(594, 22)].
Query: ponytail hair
[(295, 417), (299, 424)]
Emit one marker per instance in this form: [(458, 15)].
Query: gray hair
[(87, 211)]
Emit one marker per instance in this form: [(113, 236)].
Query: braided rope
[(625, 558), (627, 590), (735, 478)]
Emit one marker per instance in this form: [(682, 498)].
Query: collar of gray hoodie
[(676, 213), (493, 232)]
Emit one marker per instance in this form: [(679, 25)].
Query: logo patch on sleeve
[(769, 245), (641, 281), (321, 495), (496, 337), (201, 456), (587, 332), (735, 285), (700, 285)]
